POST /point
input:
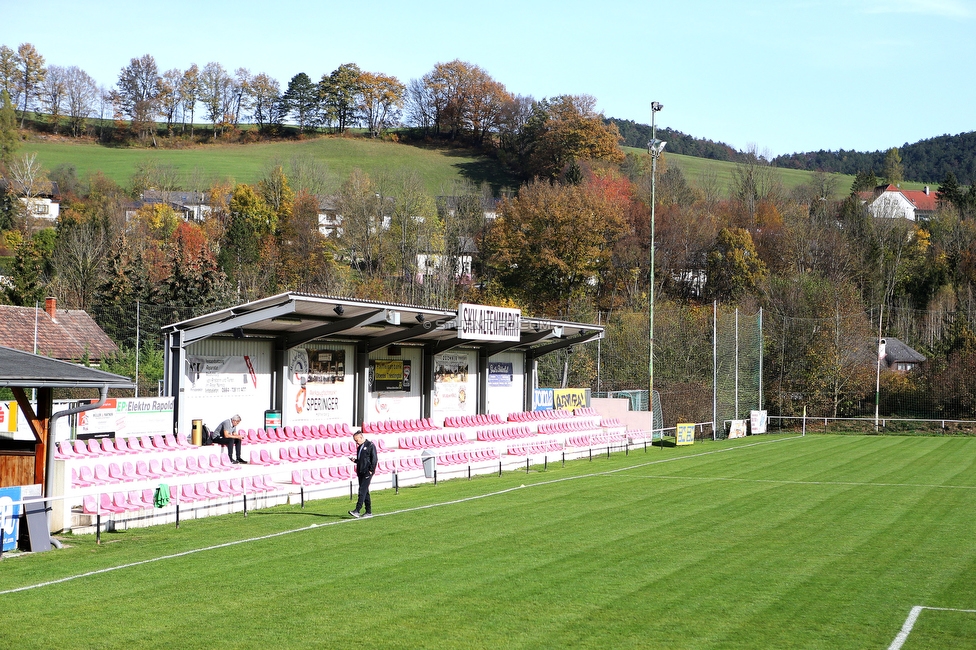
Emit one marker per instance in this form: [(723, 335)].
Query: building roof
[(897, 352), (69, 335), (28, 370), (922, 200)]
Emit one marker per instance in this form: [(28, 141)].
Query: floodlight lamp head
[(655, 147), (656, 106), (338, 310)]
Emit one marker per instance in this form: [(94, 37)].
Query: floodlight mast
[(654, 148)]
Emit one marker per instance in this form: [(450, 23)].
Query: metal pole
[(653, 146), (714, 369), (137, 348), (877, 380), (760, 358), (736, 363)]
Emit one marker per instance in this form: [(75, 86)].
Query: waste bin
[(430, 463), (197, 432)]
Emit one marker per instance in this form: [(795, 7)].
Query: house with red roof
[(892, 202), (64, 334)]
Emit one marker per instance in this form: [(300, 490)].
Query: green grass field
[(439, 167), (763, 542)]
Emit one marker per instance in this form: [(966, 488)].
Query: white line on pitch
[(913, 615), (382, 514), (787, 482)]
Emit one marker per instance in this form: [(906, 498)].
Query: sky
[(780, 76)]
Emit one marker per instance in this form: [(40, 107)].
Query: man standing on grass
[(365, 460)]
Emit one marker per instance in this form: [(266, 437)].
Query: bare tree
[(53, 94), (82, 96), (29, 178), (30, 75), (78, 262)]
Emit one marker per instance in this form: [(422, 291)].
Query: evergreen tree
[(27, 286), (301, 101), (893, 170), (8, 131), (950, 193)]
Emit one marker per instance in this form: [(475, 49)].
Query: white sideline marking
[(913, 615), (380, 514), (787, 482)]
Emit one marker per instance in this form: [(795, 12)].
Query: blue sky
[(783, 76)]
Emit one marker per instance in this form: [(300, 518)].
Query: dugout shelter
[(300, 359)]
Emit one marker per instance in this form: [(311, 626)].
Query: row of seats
[(467, 457), (604, 438), (305, 432), (473, 420), (566, 426), (399, 426), (535, 416), (321, 475), (611, 422), (119, 502), (548, 446), (320, 450), (154, 469), (100, 447), (508, 433), (435, 440), (585, 411)]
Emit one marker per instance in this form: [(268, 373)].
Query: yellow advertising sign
[(684, 434), (568, 398)]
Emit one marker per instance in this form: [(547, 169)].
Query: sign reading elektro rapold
[(486, 323)]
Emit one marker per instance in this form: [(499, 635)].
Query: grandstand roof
[(27, 370), (296, 318)]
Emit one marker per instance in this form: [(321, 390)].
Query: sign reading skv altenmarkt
[(486, 323)]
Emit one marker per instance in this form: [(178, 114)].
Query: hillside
[(198, 166), (440, 167)]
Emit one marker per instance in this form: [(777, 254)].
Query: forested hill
[(926, 160), (637, 135)]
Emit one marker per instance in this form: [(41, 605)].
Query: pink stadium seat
[(155, 469), (182, 442), (115, 472), (138, 498), (121, 500), (168, 467), (266, 458), (227, 487), (346, 430), (225, 463), (188, 494), (101, 474), (107, 505)]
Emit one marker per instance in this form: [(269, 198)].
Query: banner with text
[(9, 516), (684, 434), (133, 416), (542, 399), (451, 387), (220, 376), (568, 399), (486, 323), (317, 387)]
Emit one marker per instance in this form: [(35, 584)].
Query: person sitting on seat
[(226, 434)]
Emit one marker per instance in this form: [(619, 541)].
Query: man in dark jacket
[(365, 460)]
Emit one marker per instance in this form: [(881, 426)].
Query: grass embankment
[(200, 165), (765, 542)]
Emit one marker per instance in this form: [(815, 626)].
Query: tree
[(31, 72), (195, 285), (892, 170), (567, 128), (137, 94), (53, 94), (275, 191), (754, 183), (78, 260), (949, 192), (380, 100), (8, 72), (414, 229), (269, 110), (169, 97), (338, 93), (242, 91), (552, 243), (361, 208), (733, 266), (29, 178), (216, 93), (82, 95), (189, 92), (8, 131), (308, 255), (252, 220), (27, 286), (302, 101)]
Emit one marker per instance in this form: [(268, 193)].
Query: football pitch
[(821, 541)]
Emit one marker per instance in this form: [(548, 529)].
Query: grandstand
[(111, 484)]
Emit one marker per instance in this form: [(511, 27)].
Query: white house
[(890, 201)]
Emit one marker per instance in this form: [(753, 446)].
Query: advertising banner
[(500, 373), (221, 376), (542, 399), (757, 422), (130, 416), (317, 379), (451, 389), (486, 323), (568, 399), (389, 375), (684, 434), (737, 429), (8, 417), (9, 516)]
